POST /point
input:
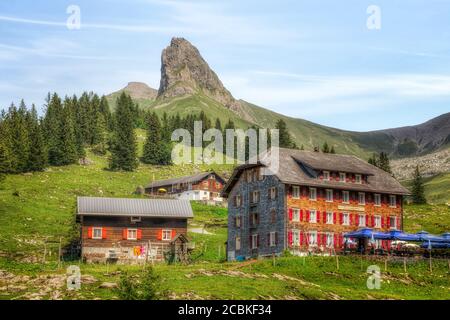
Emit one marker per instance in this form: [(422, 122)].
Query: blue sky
[(315, 60)]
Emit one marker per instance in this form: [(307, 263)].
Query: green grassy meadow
[(41, 207)]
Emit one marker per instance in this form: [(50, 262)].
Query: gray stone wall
[(264, 209)]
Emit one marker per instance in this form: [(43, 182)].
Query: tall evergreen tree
[(325, 147), (123, 141), (218, 124), (286, 140), (67, 141), (332, 150), (418, 189), (106, 112), (37, 160), (383, 162), (156, 151)]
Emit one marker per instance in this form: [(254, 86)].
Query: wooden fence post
[(404, 264), (59, 253)]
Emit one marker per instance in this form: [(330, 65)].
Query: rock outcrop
[(139, 90), (184, 72)]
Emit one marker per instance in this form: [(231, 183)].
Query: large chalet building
[(309, 204), (205, 186)]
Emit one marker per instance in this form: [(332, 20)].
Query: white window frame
[(358, 178), (330, 217), (97, 229), (330, 240), (393, 226), (272, 239), (362, 196), (296, 214), (255, 195), (378, 222), (238, 220), (377, 200), (312, 213), (273, 193), (345, 218), (392, 204), (312, 238), (296, 237), (345, 194), (296, 192), (164, 235), (238, 243), (135, 232), (238, 200), (362, 220), (342, 176), (313, 194), (329, 195), (326, 175), (254, 241)]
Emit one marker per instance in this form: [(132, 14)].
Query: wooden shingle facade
[(308, 204)]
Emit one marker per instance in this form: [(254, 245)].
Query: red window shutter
[(341, 218), (319, 238), (290, 214), (104, 233), (388, 222), (302, 238), (367, 220), (301, 214), (324, 217), (334, 217), (174, 233), (139, 234), (159, 236), (89, 232), (324, 239), (290, 238), (373, 221), (351, 218), (318, 216), (335, 240), (307, 215), (125, 234)]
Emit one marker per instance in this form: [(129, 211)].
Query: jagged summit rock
[(140, 90), (185, 72)]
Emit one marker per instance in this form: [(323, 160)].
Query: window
[(296, 237), (329, 195), (254, 241), (313, 194), (326, 175), (312, 216), (238, 243), (362, 198), (345, 219), (377, 221), (330, 240), (238, 221), (358, 178), (345, 197), (377, 199), (135, 219), (255, 196), (97, 233), (362, 220), (313, 238), (272, 239), (392, 201), (249, 176), (296, 214), (296, 192), (238, 200), (132, 234), (273, 193), (329, 217), (254, 219), (273, 215), (260, 174), (393, 222), (167, 235), (342, 176)]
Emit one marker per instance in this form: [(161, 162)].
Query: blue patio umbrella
[(399, 235), (425, 236), (446, 237), (366, 233), (435, 245)]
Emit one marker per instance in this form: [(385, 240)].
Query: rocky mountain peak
[(140, 90), (185, 72)]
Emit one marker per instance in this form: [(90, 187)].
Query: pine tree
[(302, 147), (332, 151), (383, 162), (37, 160), (284, 135), (325, 148), (218, 125), (19, 135), (67, 141), (418, 189), (4, 161), (106, 112), (123, 141), (373, 160), (156, 151)]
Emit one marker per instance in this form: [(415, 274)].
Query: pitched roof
[(158, 208), (187, 179), (294, 165)]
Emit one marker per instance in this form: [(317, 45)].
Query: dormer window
[(326, 175), (342, 176), (358, 178)]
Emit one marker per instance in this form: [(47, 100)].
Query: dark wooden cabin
[(131, 230)]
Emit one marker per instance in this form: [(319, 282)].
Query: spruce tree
[(418, 189), (156, 151), (37, 160), (383, 162), (332, 150), (67, 141), (123, 141), (284, 135), (218, 125), (325, 148), (19, 135)]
